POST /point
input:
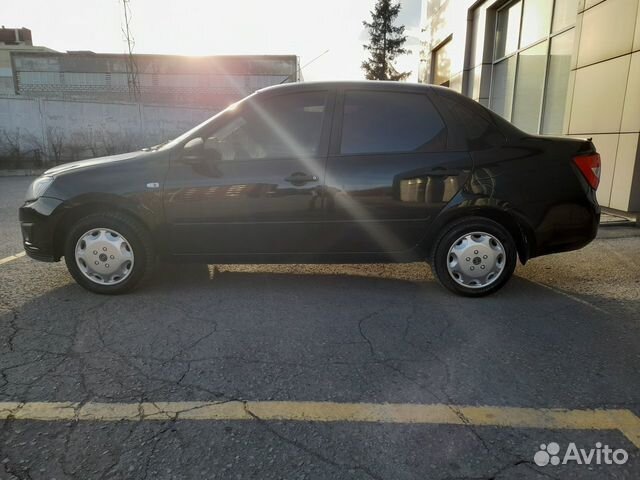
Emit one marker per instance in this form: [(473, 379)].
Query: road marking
[(554, 419), (11, 258), (568, 295)]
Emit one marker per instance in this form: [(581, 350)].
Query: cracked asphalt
[(565, 333)]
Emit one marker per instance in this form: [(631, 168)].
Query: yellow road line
[(556, 419), (11, 258)]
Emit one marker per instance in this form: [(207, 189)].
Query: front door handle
[(300, 178)]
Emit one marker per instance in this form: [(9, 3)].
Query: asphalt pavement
[(564, 335)]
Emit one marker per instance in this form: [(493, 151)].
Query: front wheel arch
[(113, 279), (76, 213)]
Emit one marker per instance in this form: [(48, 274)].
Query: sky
[(210, 27)]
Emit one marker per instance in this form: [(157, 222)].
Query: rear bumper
[(567, 227), (37, 224)]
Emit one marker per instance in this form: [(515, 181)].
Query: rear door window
[(390, 122)]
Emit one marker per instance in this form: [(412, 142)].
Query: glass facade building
[(552, 67)]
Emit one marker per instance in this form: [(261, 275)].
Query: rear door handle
[(300, 178)]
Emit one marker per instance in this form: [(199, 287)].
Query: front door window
[(287, 126)]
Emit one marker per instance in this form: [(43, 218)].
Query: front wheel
[(474, 257), (108, 253)]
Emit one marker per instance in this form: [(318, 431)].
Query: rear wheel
[(108, 253), (474, 257)]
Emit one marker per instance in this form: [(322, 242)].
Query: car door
[(258, 188), (388, 172)]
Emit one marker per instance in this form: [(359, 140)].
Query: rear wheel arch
[(474, 256), (519, 230)]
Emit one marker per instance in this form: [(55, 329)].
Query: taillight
[(589, 166)]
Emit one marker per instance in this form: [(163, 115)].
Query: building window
[(564, 14), (532, 60), (529, 86), (508, 29), (503, 80), (557, 82), (442, 64), (536, 21)]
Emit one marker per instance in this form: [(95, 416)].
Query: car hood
[(94, 162)]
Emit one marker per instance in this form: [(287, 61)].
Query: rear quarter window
[(390, 122), (471, 121)]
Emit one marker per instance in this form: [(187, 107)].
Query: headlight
[(37, 188)]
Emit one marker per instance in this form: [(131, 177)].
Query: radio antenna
[(304, 66)]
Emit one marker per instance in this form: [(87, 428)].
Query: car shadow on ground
[(175, 276)]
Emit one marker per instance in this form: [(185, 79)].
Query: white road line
[(11, 258), (568, 295)]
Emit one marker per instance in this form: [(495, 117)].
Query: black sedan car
[(335, 172)]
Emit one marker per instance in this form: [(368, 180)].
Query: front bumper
[(38, 223)]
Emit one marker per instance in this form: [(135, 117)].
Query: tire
[(95, 239), (469, 251)]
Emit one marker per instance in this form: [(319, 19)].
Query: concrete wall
[(85, 101), (90, 128)]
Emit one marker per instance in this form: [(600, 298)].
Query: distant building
[(13, 40), (64, 106), (215, 81), (557, 67), (15, 36)]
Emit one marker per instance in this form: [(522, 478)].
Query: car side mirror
[(193, 151)]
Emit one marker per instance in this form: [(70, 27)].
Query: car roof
[(368, 84), (503, 125)]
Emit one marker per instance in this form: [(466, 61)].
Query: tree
[(385, 43), (56, 141), (14, 146)]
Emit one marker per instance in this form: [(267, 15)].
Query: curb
[(618, 231)]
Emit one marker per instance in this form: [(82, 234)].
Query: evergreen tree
[(385, 43)]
